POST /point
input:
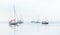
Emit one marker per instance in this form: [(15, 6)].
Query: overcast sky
[(30, 9)]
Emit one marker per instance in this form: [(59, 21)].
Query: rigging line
[(21, 17), (38, 18)]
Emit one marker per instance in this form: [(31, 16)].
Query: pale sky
[(30, 9)]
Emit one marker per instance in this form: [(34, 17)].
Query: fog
[(30, 9)]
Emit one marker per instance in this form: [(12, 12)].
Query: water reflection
[(31, 29)]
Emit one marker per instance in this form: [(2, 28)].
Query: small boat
[(35, 22), (20, 22), (44, 22)]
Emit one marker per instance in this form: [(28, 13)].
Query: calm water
[(31, 29)]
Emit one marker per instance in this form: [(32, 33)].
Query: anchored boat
[(45, 22), (15, 21)]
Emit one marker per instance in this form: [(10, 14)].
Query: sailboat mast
[(14, 10), (15, 14)]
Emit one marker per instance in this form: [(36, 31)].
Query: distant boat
[(45, 22), (35, 22), (20, 22), (14, 21)]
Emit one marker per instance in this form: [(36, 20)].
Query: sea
[(53, 28)]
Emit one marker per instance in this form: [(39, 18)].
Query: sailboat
[(14, 21), (45, 21)]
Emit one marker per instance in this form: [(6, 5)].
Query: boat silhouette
[(35, 21), (15, 21), (45, 21)]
